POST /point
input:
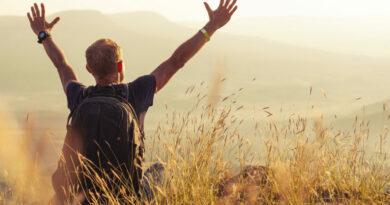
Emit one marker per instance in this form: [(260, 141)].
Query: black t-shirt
[(141, 94)]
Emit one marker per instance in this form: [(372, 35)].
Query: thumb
[(54, 22), (208, 8)]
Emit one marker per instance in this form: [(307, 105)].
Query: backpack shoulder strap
[(125, 88), (123, 92), (132, 110), (86, 92)]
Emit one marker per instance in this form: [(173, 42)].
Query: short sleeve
[(74, 93), (143, 88)]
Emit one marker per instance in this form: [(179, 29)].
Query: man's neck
[(108, 81)]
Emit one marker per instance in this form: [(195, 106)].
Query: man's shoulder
[(74, 91), (143, 82), (74, 86), (142, 92)]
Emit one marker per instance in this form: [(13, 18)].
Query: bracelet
[(205, 33)]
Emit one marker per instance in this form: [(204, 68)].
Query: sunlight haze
[(299, 88), (179, 10)]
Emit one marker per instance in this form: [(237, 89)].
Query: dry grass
[(299, 161)]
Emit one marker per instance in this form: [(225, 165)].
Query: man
[(105, 63)]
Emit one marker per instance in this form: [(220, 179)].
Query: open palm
[(38, 21), (222, 15)]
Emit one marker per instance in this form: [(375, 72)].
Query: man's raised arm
[(42, 28), (187, 50)]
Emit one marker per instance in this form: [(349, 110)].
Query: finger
[(208, 8), (37, 10), (221, 3), (29, 18), (33, 13), (43, 11), (54, 22), (232, 5), (226, 4), (234, 10)]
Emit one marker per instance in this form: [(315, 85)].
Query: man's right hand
[(218, 18), (38, 21), (222, 15)]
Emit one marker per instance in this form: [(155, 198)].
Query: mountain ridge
[(275, 65)]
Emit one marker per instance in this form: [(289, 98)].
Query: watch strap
[(42, 36)]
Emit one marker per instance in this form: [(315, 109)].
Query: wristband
[(205, 33)]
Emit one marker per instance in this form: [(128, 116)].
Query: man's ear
[(120, 66), (88, 69)]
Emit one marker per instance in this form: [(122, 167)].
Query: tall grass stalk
[(303, 161)]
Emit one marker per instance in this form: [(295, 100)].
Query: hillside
[(283, 72), (362, 35)]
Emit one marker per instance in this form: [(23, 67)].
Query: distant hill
[(150, 23), (283, 72), (365, 35)]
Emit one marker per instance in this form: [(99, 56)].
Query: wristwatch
[(42, 36)]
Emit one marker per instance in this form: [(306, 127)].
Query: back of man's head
[(103, 57)]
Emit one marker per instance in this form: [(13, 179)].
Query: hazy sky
[(193, 9)]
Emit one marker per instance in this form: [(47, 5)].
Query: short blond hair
[(103, 56)]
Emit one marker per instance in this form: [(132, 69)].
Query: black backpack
[(104, 129)]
